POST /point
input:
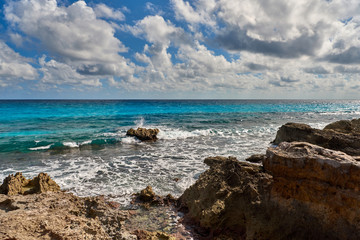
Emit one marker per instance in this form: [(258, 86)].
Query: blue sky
[(179, 49)]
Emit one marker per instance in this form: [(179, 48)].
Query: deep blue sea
[(82, 144)]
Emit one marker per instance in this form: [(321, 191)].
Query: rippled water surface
[(82, 144)]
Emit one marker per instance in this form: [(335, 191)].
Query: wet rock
[(341, 136), (147, 198), (143, 134), (18, 184), (256, 158)]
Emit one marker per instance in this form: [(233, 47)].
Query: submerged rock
[(256, 158), (302, 191), (147, 198), (18, 184), (342, 135), (143, 134)]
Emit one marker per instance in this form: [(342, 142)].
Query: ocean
[(83, 145)]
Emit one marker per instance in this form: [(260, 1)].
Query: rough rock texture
[(143, 134), (18, 184), (58, 215), (323, 181), (146, 235), (342, 135), (229, 196), (302, 191)]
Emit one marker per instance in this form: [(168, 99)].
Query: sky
[(180, 49)]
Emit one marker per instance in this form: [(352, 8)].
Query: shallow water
[(83, 144)]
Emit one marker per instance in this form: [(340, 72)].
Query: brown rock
[(18, 184), (302, 191), (146, 235), (322, 181), (227, 197), (59, 215), (341, 136), (143, 134), (345, 126)]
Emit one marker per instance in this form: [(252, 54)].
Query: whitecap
[(71, 144), (130, 140), (41, 148), (172, 134)]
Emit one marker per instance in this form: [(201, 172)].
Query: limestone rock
[(323, 182), (302, 191), (342, 136), (18, 184), (59, 215), (345, 126), (228, 196), (143, 134)]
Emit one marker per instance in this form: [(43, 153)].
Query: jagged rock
[(143, 134), (59, 215), (302, 191), (256, 158), (342, 135), (18, 184), (228, 196)]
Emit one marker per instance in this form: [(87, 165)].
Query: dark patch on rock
[(148, 198), (256, 158)]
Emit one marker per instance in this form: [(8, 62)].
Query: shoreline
[(304, 187)]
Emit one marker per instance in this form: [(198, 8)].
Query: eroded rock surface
[(18, 184), (324, 182), (144, 134), (58, 215), (302, 191), (341, 136)]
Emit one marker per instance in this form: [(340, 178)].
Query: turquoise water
[(82, 144)]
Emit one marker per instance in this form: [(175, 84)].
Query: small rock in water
[(256, 158), (143, 134)]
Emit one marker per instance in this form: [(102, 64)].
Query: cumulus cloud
[(14, 67), (73, 34)]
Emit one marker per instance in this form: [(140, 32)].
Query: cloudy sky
[(180, 49)]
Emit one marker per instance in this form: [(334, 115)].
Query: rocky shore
[(305, 187)]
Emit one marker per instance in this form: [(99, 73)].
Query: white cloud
[(73, 34), (103, 11), (13, 67)]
